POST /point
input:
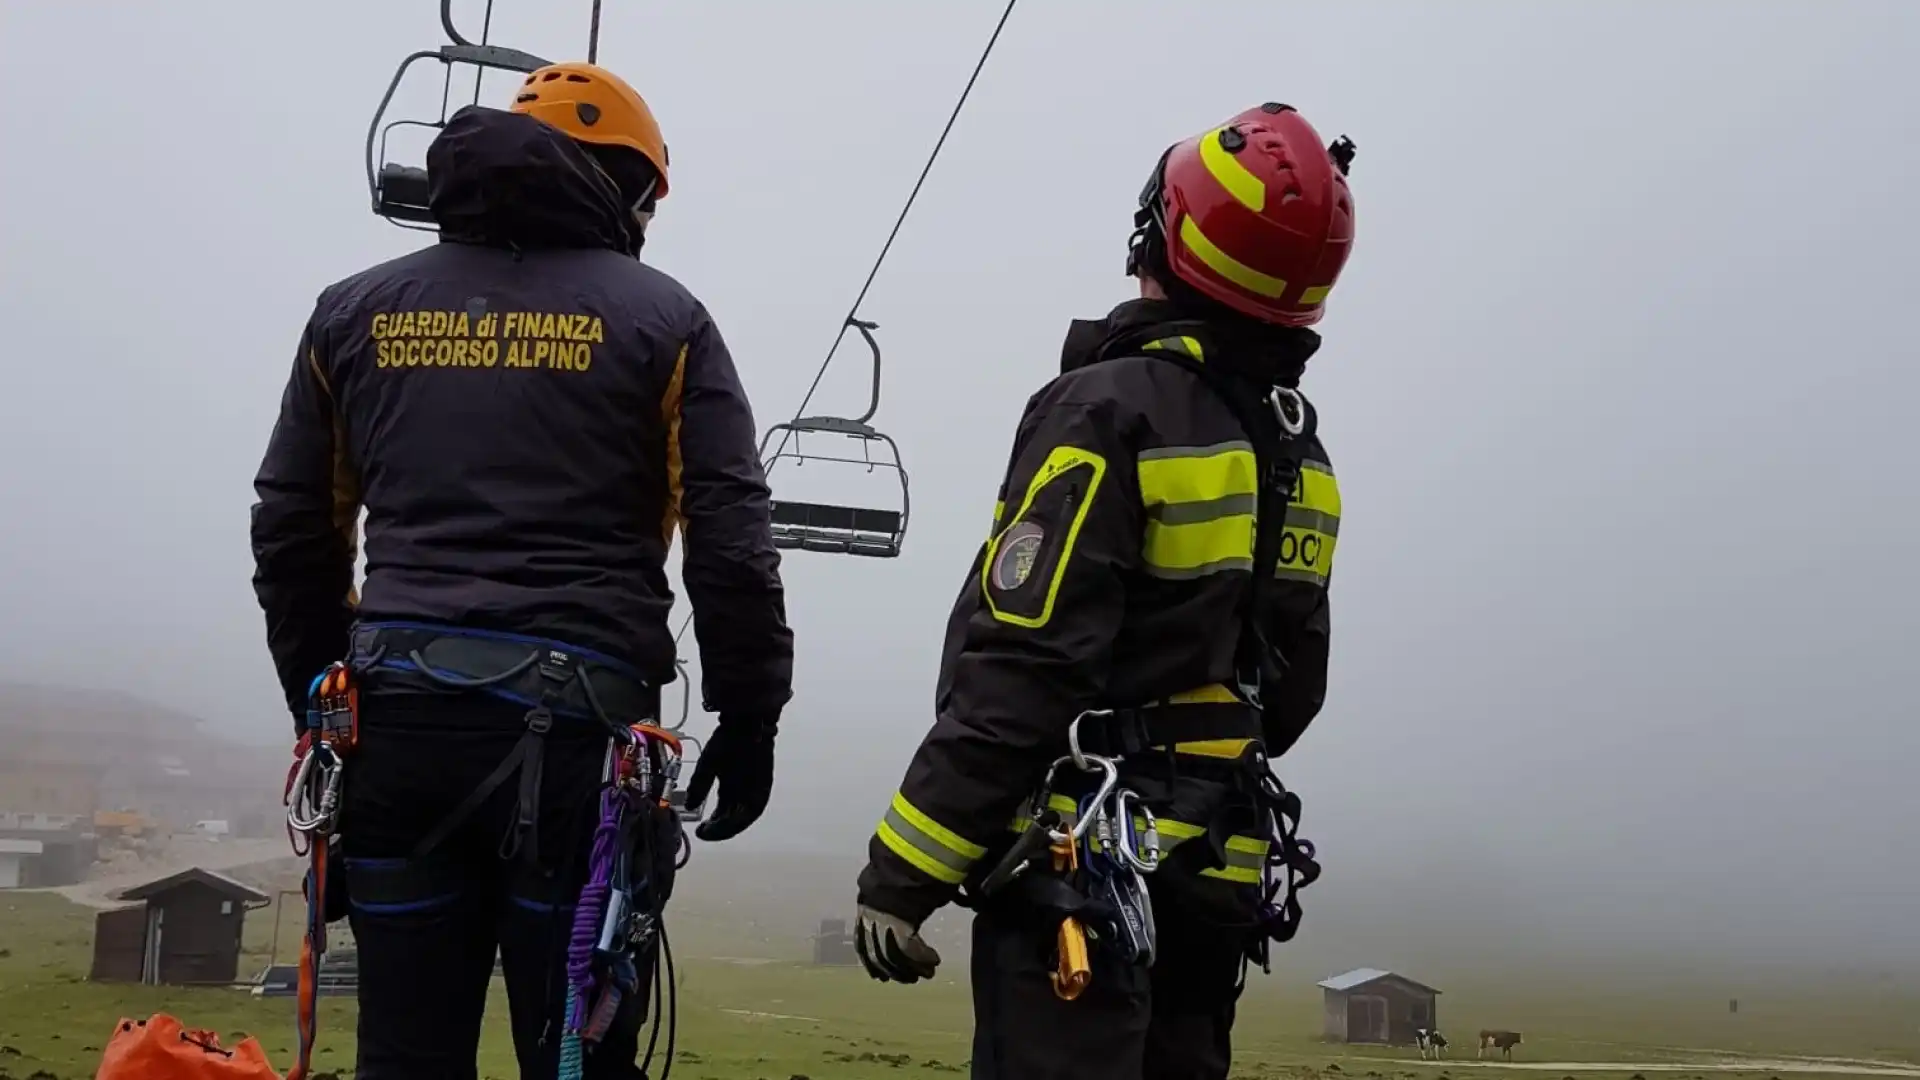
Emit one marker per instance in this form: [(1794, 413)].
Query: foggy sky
[(1617, 385)]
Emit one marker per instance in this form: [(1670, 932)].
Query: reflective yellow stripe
[(1182, 344), (933, 848), (1199, 502), (1214, 748), (1212, 693), (1245, 857), (1226, 265), (1186, 474), (1317, 490), (1235, 177), (999, 511), (1313, 526), (1245, 854), (1201, 548), (1316, 294)]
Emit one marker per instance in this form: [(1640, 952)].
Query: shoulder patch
[(1024, 564), (1013, 564)]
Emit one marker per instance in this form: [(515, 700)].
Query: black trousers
[(427, 928), (1171, 1022)]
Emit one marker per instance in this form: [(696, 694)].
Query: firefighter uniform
[(1122, 553)]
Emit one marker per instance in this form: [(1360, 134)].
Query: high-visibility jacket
[(1121, 553)]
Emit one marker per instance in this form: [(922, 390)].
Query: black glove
[(892, 948), (740, 758)]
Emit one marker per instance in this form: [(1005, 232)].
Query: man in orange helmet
[(1144, 630), (526, 413)]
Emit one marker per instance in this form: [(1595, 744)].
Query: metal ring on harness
[(1290, 408), (1109, 771)]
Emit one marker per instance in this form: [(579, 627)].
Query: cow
[(1431, 1042), (1503, 1041)]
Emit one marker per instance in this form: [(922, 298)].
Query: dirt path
[(1817, 1066), (181, 853)]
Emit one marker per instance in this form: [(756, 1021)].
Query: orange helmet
[(593, 105)]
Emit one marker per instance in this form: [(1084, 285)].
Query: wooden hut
[(184, 930), (1368, 1005)]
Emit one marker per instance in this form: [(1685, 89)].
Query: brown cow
[(1503, 1041)]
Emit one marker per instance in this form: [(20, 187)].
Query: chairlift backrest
[(399, 192)]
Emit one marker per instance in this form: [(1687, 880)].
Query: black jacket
[(1122, 551), (526, 414)]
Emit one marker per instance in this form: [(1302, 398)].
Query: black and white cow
[(1432, 1044)]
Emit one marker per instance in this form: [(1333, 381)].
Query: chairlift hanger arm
[(873, 345)]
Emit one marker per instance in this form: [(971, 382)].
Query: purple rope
[(592, 906)]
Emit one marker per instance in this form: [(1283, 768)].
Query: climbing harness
[(553, 680), (617, 923), (313, 816), (399, 192), (846, 530)]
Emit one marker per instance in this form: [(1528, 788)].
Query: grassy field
[(750, 1011)]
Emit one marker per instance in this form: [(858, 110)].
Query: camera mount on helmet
[(832, 528), (399, 191)]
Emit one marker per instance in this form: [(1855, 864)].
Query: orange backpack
[(162, 1049)]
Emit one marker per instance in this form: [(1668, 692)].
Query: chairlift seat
[(833, 425), (837, 530), (402, 194)]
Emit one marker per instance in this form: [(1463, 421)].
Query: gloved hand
[(740, 758), (892, 949)]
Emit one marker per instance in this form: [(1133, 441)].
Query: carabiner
[(1109, 771), (1080, 760), (1140, 857)]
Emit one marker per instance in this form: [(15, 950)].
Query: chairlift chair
[(829, 528), (399, 191)]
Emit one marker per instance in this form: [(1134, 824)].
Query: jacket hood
[(507, 180), (1260, 352)]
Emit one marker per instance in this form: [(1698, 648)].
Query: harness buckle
[(539, 720)]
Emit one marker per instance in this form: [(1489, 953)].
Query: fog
[(1618, 386)]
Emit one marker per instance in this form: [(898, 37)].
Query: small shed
[(833, 945), (17, 858), (185, 930), (1368, 1005)]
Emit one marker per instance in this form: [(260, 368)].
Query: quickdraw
[(312, 799), (617, 921)]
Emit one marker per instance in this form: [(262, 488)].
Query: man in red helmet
[(1154, 597)]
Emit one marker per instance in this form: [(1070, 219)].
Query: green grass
[(781, 1018)]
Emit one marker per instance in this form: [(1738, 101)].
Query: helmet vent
[(578, 78), (588, 112)]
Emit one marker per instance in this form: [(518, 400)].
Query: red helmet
[(1254, 214)]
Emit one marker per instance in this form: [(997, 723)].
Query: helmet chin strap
[(640, 215)]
